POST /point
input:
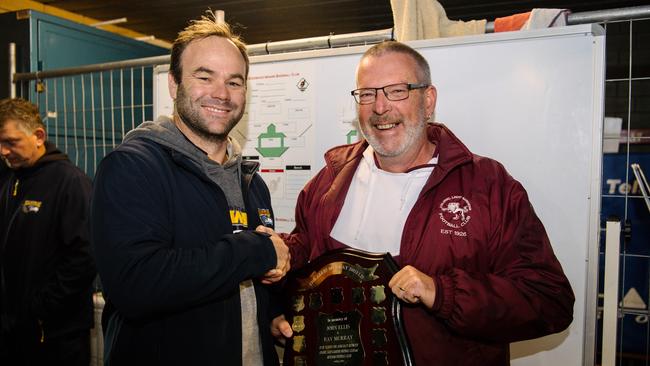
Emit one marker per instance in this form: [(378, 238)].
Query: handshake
[(281, 252)]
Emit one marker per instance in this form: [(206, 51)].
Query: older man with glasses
[(477, 268)]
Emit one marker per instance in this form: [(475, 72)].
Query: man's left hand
[(413, 287), (281, 329)]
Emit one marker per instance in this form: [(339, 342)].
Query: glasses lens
[(397, 91), (365, 96)]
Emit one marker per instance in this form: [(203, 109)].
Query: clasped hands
[(281, 252)]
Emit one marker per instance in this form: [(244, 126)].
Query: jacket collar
[(248, 168), (451, 153), (52, 153)]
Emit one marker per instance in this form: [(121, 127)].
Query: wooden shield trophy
[(342, 312)]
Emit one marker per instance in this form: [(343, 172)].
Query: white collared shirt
[(377, 205)]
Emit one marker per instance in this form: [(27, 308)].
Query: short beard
[(193, 120), (412, 134)]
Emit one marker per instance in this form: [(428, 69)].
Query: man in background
[(174, 211), (477, 268), (46, 269)]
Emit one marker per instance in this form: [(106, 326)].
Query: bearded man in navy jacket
[(174, 219)]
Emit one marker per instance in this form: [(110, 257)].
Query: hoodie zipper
[(40, 325), (13, 193), (3, 244)]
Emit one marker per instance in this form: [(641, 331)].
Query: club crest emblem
[(30, 206), (298, 323), (265, 217), (455, 211), (299, 343)]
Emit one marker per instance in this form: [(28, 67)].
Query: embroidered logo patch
[(30, 206), (455, 211), (265, 217), (239, 220)]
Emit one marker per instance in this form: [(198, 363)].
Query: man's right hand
[(281, 252)]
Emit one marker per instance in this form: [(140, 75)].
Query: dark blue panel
[(60, 47), (622, 198), (61, 43)]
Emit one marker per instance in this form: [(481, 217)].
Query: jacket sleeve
[(75, 268), (524, 294), (302, 241), (144, 270), (298, 239)]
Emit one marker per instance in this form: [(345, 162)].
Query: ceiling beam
[(14, 5)]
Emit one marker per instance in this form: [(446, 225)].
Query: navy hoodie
[(46, 268)]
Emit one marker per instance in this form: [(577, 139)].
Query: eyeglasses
[(393, 92)]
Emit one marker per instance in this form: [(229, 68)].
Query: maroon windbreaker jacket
[(475, 232)]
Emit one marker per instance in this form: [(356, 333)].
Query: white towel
[(425, 19), (546, 18)]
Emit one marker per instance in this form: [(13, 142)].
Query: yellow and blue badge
[(31, 206), (265, 217)]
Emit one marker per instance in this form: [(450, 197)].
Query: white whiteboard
[(532, 100)]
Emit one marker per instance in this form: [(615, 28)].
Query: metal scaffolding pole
[(599, 16), (12, 69)]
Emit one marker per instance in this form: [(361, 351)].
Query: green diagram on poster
[(270, 144), (352, 136)]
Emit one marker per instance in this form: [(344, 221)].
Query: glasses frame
[(409, 87)]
